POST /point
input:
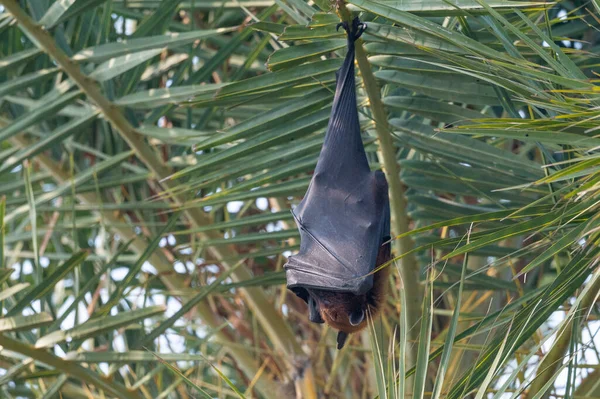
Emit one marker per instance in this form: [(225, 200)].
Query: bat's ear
[(356, 317), (313, 311), (341, 339)]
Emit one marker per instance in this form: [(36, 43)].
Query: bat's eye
[(356, 317)]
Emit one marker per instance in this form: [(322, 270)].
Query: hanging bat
[(343, 219)]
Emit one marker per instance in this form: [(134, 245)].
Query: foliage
[(150, 153)]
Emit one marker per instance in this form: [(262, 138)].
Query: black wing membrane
[(344, 215)]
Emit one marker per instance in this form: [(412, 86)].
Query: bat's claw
[(361, 28), (342, 24)]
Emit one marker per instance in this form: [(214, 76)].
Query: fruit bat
[(343, 219)]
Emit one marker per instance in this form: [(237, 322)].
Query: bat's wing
[(344, 215)]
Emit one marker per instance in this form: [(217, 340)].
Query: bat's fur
[(336, 307)]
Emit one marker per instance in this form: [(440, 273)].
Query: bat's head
[(345, 312)]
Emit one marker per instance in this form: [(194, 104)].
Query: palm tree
[(151, 151)]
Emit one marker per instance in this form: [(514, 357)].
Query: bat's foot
[(357, 28)]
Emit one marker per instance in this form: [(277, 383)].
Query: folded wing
[(344, 214)]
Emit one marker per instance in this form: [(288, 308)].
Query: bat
[(343, 219)]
